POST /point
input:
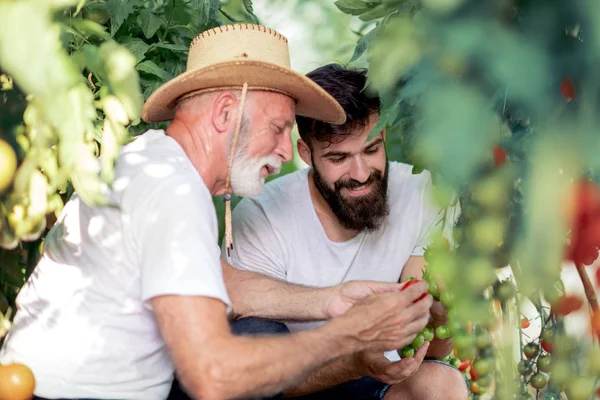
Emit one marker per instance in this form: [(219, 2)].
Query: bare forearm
[(331, 374), (265, 366), (257, 295)]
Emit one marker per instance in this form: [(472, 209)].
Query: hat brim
[(311, 100)]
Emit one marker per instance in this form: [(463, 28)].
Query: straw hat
[(228, 56)]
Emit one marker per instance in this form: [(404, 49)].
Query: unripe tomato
[(442, 332), (544, 363), (482, 367), (428, 333), (16, 382), (538, 381), (418, 341), (407, 351), (531, 350), (524, 367)]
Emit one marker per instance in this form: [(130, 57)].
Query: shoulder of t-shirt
[(278, 196), (153, 164), (404, 185)]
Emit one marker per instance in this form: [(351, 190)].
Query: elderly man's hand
[(347, 294), (377, 366)]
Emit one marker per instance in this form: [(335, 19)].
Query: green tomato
[(544, 363), (447, 299), (418, 341), (485, 381), (505, 291), (524, 367), (538, 381), (466, 353), (434, 290), (428, 333), (531, 350), (482, 339), (408, 351), (442, 332), (483, 367), (580, 388)]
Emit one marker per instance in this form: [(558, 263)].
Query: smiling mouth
[(359, 190)]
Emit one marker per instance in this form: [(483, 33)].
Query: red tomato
[(464, 365), (567, 89), (547, 346), (567, 304), (525, 323), (499, 155)]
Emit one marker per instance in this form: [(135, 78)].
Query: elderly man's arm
[(211, 363)]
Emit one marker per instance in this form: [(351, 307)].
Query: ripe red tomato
[(567, 89), (464, 365), (525, 323), (567, 304), (499, 156), (547, 346), (598, 276)]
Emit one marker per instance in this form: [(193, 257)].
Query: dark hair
[(347, 86)]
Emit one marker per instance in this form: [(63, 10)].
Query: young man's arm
[(256, 295), (211, 363), (438, 348)]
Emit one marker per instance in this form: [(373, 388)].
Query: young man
[(125, 295), (352, 216)]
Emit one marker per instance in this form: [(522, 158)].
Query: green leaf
[(119, 11), (150, 67), (150, 23), (151, 87), (387, 115), (205, 10), (137, 47), (170, 46), (355, 7), (363, 43), (250, 10)]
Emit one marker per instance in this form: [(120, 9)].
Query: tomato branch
[(590, 293)]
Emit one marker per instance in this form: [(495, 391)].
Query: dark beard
[(365, 213)]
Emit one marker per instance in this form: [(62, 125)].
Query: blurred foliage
[(499, 100), (74, 75)]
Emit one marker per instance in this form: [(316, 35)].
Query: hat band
[(219, 88)]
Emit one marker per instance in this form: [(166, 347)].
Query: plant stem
[(590, 293), (171, 7)]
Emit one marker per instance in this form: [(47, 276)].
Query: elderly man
[(127, 294), (352, 215)]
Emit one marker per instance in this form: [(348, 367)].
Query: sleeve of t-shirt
[(256, 245), (177, 239), (432, 219)]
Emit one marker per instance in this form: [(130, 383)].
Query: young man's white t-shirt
[(279, 234), (84, 323)]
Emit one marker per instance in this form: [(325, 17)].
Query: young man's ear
[(304, 152), (224, 110)]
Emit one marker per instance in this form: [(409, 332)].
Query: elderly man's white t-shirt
[(84, 324), (279, 234)]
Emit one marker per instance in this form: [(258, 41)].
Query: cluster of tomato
[(428, 333)]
